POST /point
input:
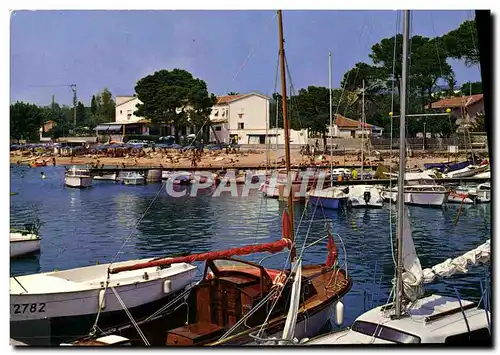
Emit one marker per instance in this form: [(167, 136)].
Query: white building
[(348, 128), (238, 118)]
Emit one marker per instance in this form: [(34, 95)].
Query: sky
[(230, 50)]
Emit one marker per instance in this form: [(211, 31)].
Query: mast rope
[(136, 326)]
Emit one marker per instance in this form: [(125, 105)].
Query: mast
[(401, 175), (286, 127), (363, 132), (331, 115)]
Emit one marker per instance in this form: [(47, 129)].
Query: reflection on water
[(82, 227)]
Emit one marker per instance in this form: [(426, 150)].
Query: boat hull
[(327, 202), (111, 177), (428, 199), (133, 181), (52, 331), (24, 247), (78, 182)]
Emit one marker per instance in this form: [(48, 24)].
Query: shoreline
[(228, 161)]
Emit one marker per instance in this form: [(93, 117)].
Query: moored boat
[(133, 178), (24, 241), (78, 177)]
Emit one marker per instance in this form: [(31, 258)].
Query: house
[(126, 123), (462, 107), (348, 128)]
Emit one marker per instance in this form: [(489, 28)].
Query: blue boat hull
[(330, 203), (447, 166)]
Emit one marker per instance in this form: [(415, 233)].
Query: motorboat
[(484, 192), (463, 194), (24, 241), (133, 178), (78, 177), (365, 196), (332, 197)]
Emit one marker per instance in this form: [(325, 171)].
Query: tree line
[(428, 70), (175, 97)]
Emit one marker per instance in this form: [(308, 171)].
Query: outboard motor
[(367, 196), (346, 190)]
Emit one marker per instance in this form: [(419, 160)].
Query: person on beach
[(54, 161)]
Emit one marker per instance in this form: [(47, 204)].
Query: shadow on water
[(82, 227)]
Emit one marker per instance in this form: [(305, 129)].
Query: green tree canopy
[(462, 43), (171, 97), (25, 121)]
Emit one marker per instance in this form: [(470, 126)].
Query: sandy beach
[(221, 160)]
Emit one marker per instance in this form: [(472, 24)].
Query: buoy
[(339, 313)]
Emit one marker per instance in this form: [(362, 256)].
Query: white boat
[(463, 194), (468, 171), (106, 176), (24, 241), (413, 318), (78, 177), (59, 305), (433, 319), (133, 178), (432, 195), (485, 175), (365, 196), (483, 192)]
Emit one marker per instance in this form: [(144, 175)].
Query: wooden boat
[(60, 305), (24, 241), (236, 298), (78, 177)]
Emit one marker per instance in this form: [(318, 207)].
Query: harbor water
[(82, 227)]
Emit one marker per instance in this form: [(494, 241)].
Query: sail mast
[(331, 115), (363, 132), (286, 128), (401, 175)]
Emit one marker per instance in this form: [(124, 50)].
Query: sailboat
[(413, 318), (236, 298), (332, 197)]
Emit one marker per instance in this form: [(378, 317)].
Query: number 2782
[(29, 308)]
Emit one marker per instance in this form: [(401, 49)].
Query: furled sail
[(291, 319), (412, 275), (479, 255)]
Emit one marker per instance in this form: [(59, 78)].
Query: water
[(83, 227)]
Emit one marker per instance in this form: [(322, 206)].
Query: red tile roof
[(457, 101), (344, 122), (223, 100)]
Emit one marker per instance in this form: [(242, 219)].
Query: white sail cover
[(291, 319), (479, 255), (412, 275)]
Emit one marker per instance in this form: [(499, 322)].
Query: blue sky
[(97, 49)]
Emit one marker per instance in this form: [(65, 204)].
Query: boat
[(468, 171), (37, 163), (447, 166), (59, 305), (133, 178), (420, 189), (463, 194), (24, 241), (332, 197), (365, 196), (484, 175), (111, 176), (78, 177), (413, 317), (236, 298), (484, 192)]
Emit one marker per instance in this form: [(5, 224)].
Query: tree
[(232, 93), (25, 121), (81, 114), (462, 43), (93, 105), (470, 88), (169, 97)]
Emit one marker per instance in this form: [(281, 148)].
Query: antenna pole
[(75, 104), (331, 115)]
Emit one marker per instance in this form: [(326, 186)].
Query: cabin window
[(478, 336), (241, 125), (385, 333), (218, 128)]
